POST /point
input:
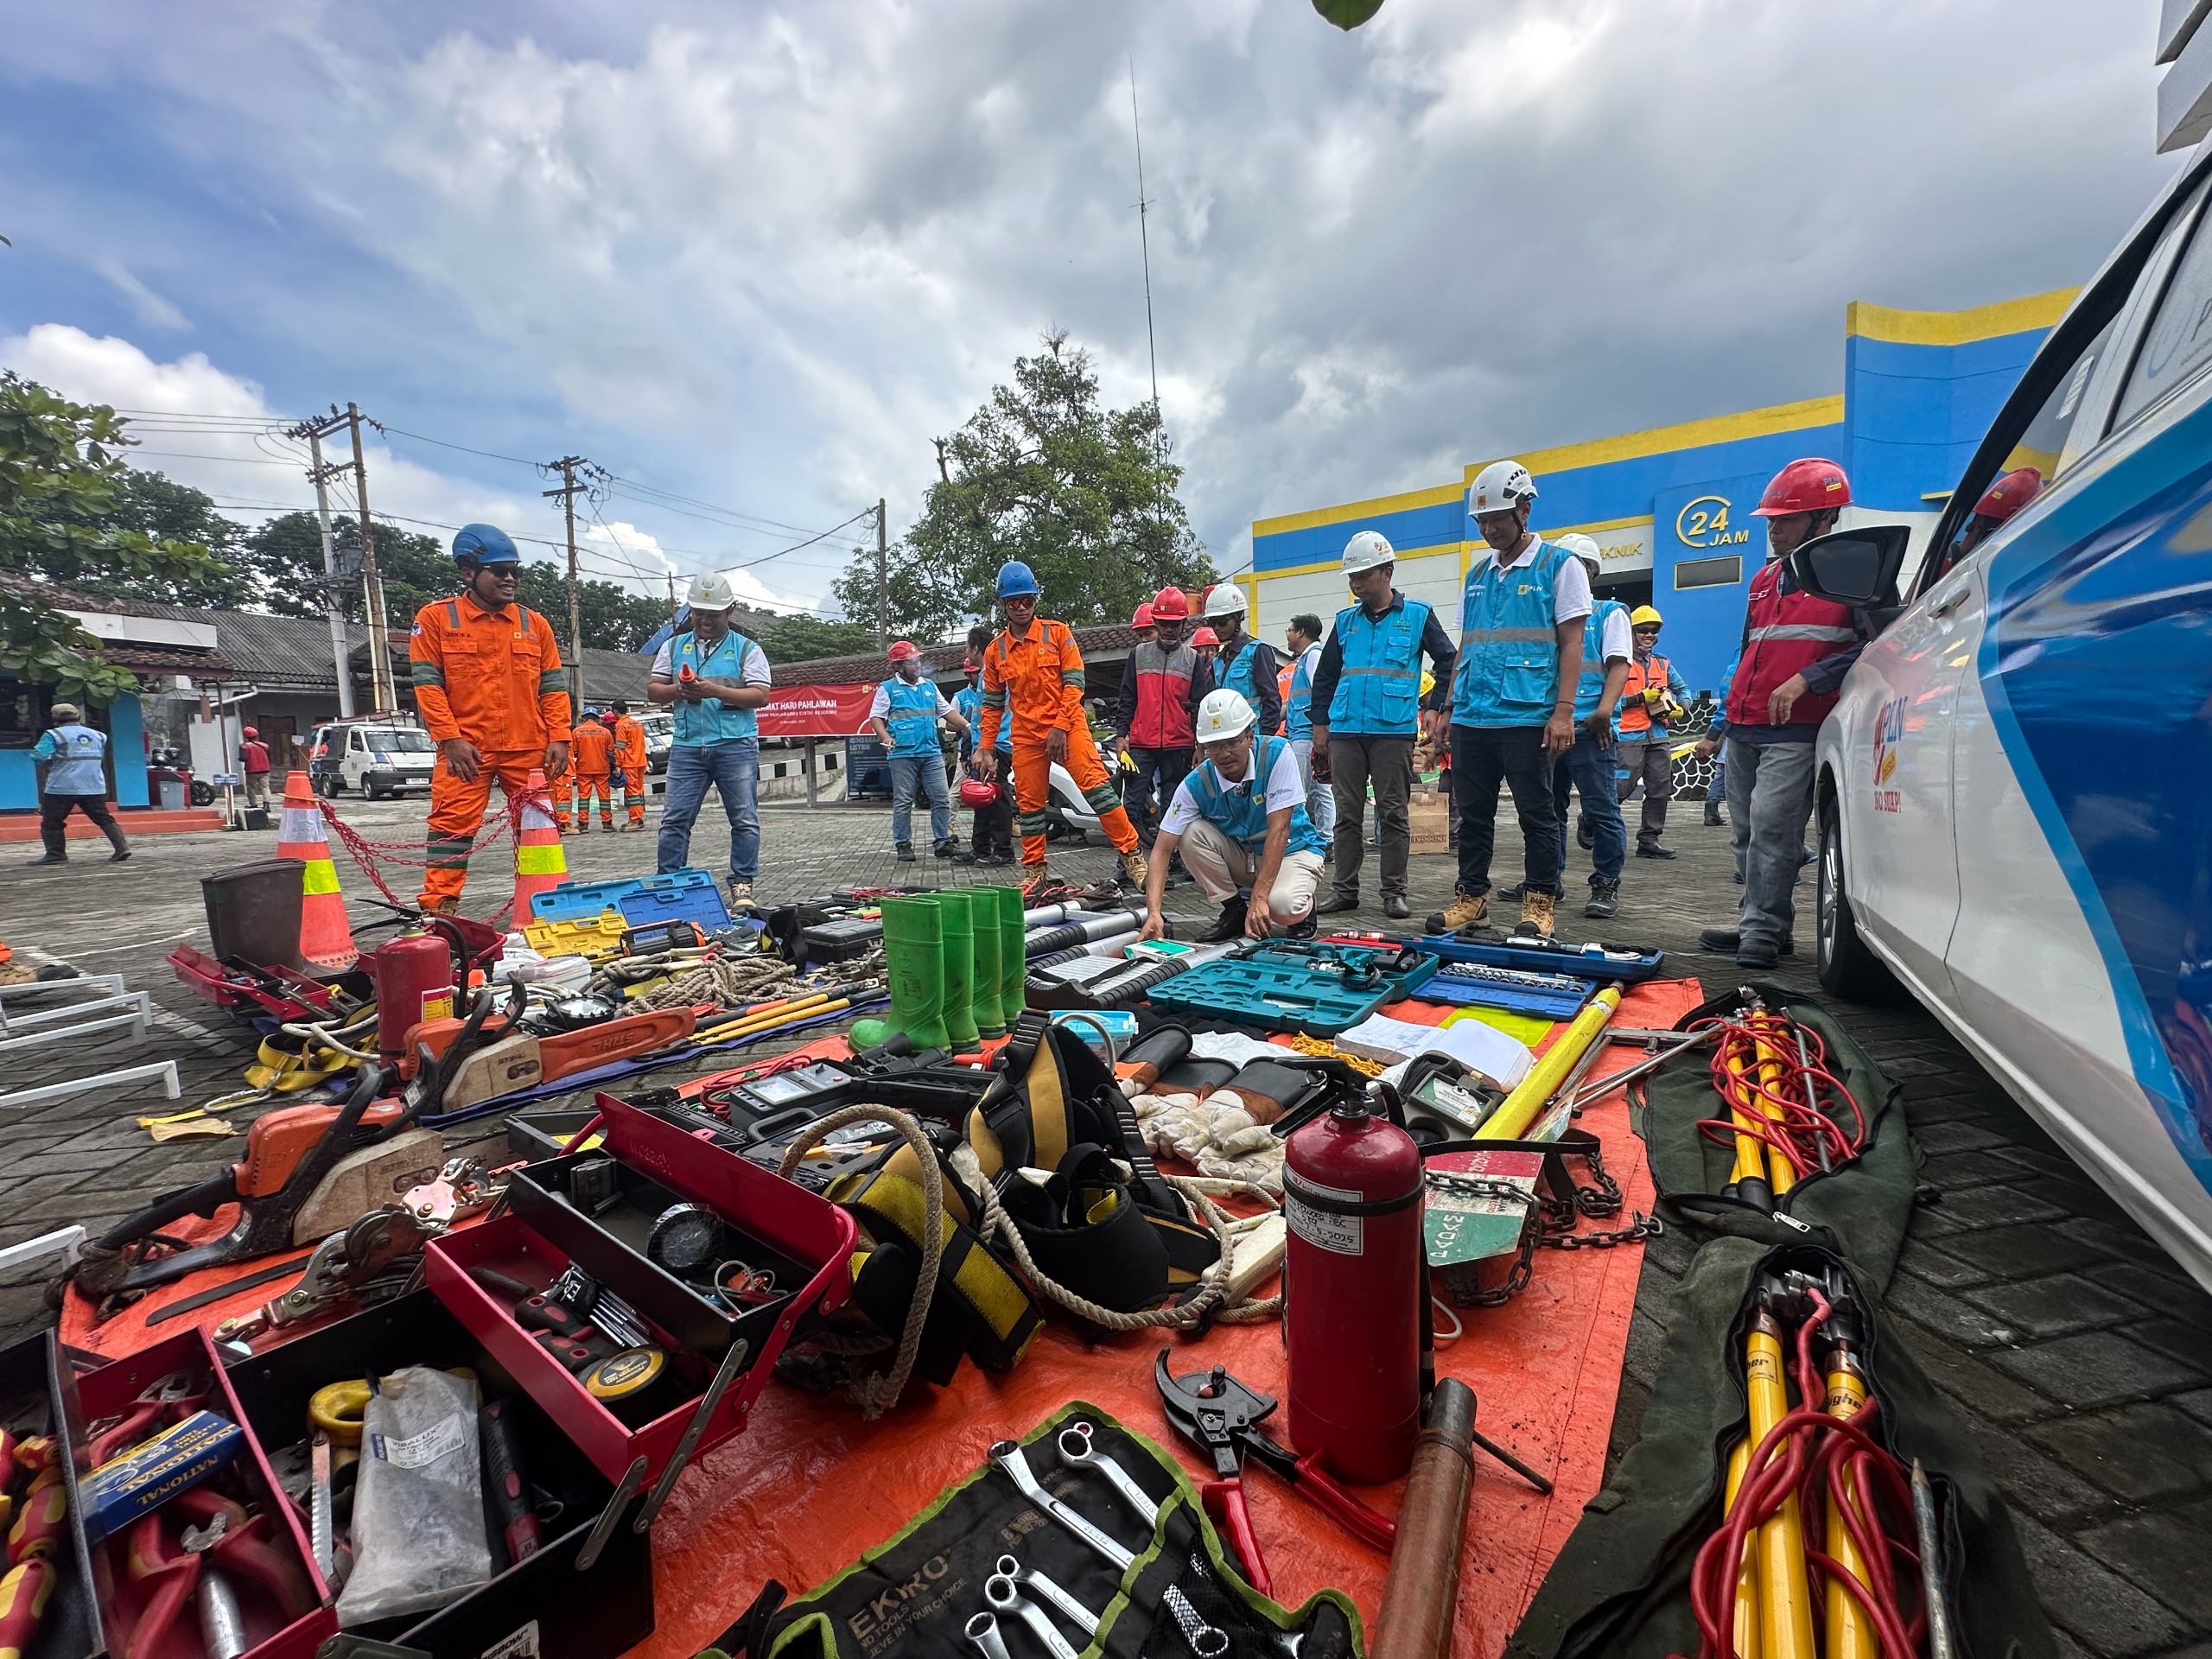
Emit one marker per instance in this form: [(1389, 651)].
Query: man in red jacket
[(1796, 651), (1163, 683)]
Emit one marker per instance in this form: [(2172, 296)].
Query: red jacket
[(1161, 716), (1784, 634)]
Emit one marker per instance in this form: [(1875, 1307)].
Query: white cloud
[(151, 308)]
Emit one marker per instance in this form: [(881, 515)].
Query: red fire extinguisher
[(1355, 1292), (413, 975)]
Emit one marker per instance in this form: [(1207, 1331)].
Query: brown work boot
[(1133, 867), (1466, 910), (1034, 880), (1537, 912)]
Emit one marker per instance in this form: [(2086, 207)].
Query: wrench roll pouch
[(33, 1375), (272, 1631), (543, 1605), (912, 1596), (769, 1223)]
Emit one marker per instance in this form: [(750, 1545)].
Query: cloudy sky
[(751, 258)]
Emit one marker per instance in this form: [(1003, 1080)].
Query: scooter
[(1068, 816)]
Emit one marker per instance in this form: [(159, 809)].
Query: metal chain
[(1556, 1227)]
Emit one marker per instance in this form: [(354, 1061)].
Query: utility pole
[(382, 690), (882, 580), (333, 604), (566, 468)]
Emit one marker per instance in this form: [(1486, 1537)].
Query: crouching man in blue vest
[(1513, 698), (1239, 818)]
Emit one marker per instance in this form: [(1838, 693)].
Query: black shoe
[(1000, 860), (1722, 940), (906, 853), (118, 856), (942, 849), (965, 857), (1303, 928), (1605, 898), (1230, 925), (1654, 851), (52, 858), (1755, 955), (1585, 834), (1397, 908), (1508, 895), (1713, 812), (1336, 905)]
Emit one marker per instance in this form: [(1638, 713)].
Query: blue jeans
[(1321, 797), (1589, 766), (733, 768), (926, 772)]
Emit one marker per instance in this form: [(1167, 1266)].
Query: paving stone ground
[(2079, 1355)]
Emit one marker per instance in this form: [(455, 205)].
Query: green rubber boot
[(1014, 963), (989, 1022), (957, 913), (913, 947)]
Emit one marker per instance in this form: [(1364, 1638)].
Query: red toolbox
[(90, 1398), (769, 1221)]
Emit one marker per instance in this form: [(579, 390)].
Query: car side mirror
[(1857, 567)]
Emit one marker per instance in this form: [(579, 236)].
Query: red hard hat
[(903, 650), (978, 792), (1810, 485), (249, 732), (1142, 618), (2010, 493), (1205, 636), (1168, 604)]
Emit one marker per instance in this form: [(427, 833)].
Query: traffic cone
[(326, 937), (540, 865)]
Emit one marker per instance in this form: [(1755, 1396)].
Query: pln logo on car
[(1888, 732)]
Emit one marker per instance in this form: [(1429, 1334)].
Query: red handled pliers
[(1222, 1418)]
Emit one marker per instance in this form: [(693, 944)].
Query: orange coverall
[(495, 678), (1041, 674), (591, 753), (630, 758)]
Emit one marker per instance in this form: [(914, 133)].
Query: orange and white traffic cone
[(539, 862), (326, 937)]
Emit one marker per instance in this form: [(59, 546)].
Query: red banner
[(818, 710)]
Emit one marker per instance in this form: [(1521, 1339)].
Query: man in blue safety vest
[(1367, 710), (905, 715), (76, 781), (718, 681), (1245, 666), (1592, 766), (1521, 620), (1304, 639), (1239, 819)]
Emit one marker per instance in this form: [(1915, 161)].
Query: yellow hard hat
[(1643, 615)]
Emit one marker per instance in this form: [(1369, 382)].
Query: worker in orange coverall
[(1035, 665), (629, 760), (491, 691), (591, 755)]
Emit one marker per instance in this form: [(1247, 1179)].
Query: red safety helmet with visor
[(1808, 486)]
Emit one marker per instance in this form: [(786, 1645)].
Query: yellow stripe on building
[(1373, 508), (1688, 434), (1870, 322)]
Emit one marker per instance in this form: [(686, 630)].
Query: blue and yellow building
[(1671, 507)]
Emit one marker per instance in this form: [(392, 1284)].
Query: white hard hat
[(1366, 551), (1500, 487), (1222, 716), (1226, 599), (1585, 549), (712, 594)]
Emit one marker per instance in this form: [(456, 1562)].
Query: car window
[(2177, 346), (402, 741)]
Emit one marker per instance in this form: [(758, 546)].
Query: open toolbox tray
[(547, 1605), (88, 1397), (1278, 988), (770, 1222), (1613, 964), (31, 1373)]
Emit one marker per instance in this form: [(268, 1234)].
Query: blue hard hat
[(486, 544), (1017, 580)]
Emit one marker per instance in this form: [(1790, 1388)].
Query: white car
[(2015, 790), (378, 761)]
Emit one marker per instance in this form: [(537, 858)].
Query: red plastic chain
[(370, 856)]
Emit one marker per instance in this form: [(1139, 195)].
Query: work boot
[(1467, 909), (1752, 954), (957, 925), (964, 856), (1134, 868), (913, 952), (1230, 925), (1605, 898), (942, 849), (119, 855), (1538, 911), (1337, 904), (1303, 928), (905, 849), (1655, 850), (1395, 907), (1713, 812), (52, 858), (740, 894), (1034, 881), (1726, 941), (1508, 895)]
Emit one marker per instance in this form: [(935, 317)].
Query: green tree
[(155, 504), (1084, 496), (62, 482), (807, 639)]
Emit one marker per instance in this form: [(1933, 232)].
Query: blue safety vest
[(710, 721), (1592, 686), (1379, 690), (1241, 809), (1238, 676), (1508, 644), (911, 717), (1298, 712), (74, 752), (969, 699)]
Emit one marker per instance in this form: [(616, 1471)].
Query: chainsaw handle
[(1224, 1501), (204, 1199), (1375, 1531)]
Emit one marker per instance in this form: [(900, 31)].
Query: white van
[(378, 761)]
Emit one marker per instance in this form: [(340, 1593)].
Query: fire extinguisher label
[(1346, 1235)]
